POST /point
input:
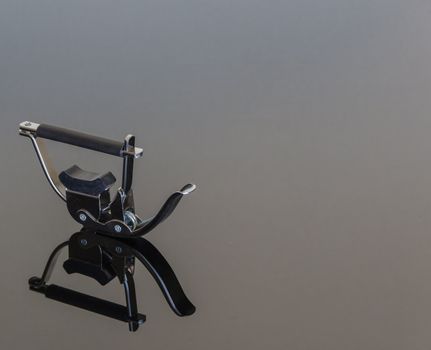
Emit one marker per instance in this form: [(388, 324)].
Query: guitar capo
[(110, 240)]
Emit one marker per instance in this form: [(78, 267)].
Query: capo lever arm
[(165, 211)]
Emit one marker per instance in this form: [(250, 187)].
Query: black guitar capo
[(111, 236)]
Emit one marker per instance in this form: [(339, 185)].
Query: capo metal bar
[(29, 128)]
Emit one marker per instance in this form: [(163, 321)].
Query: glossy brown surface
[(306, 126)]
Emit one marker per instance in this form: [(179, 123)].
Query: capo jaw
[(129, 152)]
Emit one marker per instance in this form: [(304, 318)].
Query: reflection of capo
[(110, 240)]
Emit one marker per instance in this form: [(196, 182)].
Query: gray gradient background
[(306, 125)]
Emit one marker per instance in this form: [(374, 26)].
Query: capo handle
[(80, 139)]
